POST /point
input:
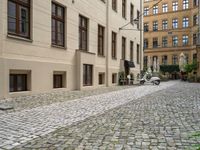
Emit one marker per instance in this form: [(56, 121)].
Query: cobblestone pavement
[(20, 127), (33, 101)]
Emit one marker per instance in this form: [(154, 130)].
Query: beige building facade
[(170, 28), (66, 44)]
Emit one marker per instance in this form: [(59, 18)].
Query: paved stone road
[(37, 100), (123, 120)]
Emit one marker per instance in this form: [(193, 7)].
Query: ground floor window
[(114, 78), (87, 75), (59, 79), (101, 78), (18, 82)]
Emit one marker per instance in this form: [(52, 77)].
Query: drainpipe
[(141, 36), (107, 42), (198, 42)]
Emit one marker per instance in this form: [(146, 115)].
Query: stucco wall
[(38, 56)]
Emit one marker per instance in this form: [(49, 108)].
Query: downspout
[(107, 43), (141, 35), (198, 42)]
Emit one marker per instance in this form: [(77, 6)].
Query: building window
[(187, 58), (194, 57), (175, 23), (195, 20), (59, 79), (194, 39), (164, 60), (114, 78), (155, 26), (165, 8), (131, 50), (164, 41), (145, 61), (185, 4), (19, 18), (155, 9), (114, 5), (101, 78), (123, 48), (195, 3), (174, 59), (132, 14), (83, 33), (138, 54), (138, 17), (124, 8), (146, 27), (146, 11), (155, 42), (114, 45), (164, 24), (146, 43), (58, 25), (185, 22), (185, 40), (175, 6), (175, 41), (18, 82), (101, 40), (87, 75)]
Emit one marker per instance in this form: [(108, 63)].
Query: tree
[(190, 67)]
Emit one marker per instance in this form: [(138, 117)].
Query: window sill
[(84, 51), (102, 56), (20, 93), (114, 10), (60, 47), (114, 58), (19, 38), (62, 88)]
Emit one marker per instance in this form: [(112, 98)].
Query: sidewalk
[(38, 100)]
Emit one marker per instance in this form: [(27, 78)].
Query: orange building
[(170, 28)]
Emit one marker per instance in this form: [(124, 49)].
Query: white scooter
[(149, 79)]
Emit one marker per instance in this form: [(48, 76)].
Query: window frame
[(114, 45), (61, 81), (15, 86), (123, 48), (17, 13), (82, 28), (87, 79), (58, 19), (101, 40)]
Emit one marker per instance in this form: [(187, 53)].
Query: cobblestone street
[(144, 117)]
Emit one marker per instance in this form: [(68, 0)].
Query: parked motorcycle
[(148, 78)]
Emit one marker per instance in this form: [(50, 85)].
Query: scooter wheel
[(141, 82), (157, 82)]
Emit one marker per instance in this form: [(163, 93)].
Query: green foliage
[(190, 67), (169, 68), (196, 135)]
